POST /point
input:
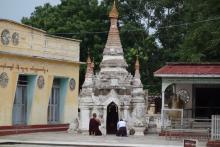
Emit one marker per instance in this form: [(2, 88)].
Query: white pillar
[(95, 110), (164, 86), (84, 118), (162, 108), (126, 117), (105, 120)]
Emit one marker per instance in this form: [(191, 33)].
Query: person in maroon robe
[(94, 124)]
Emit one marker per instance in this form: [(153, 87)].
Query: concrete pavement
[(48, 139)]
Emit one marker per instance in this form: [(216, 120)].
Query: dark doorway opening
[(207, 102), (112, 118)]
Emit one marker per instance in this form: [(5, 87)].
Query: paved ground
[(59, 139)]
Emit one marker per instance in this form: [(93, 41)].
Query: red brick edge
[(213, 143), (9, 130)]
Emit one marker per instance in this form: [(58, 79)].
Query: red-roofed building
[(189, 70), (197, 84)]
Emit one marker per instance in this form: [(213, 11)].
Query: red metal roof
[(189, 69)]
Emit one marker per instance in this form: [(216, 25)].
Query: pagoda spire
[(113, 45), (113, 56), (137, 77), (88, 59), (92, 64), (114, 12), (137, 67), (89, 69)]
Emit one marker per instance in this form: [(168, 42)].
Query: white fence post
[(215, 132)]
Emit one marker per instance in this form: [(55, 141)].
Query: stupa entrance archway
[(112, 118)]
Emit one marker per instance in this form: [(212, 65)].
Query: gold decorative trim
[(114, 11)]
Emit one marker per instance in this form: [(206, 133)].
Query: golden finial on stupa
[(114, 11)]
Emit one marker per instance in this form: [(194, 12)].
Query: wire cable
[(121, 31)]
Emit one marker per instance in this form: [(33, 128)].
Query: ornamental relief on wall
[(15, 38), (184, 95), (40, 82), (4, 79), (72, 84), (6, 37)]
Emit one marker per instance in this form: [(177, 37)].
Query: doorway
[(54, 103), (207, 102), (112, 118), (19, 116)]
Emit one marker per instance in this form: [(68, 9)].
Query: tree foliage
[(184, 30), (189, 29)]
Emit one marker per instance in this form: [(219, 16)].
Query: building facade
[(113, 92), (196, 84), (39, 76)]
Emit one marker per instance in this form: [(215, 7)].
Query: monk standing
[(94, 124)]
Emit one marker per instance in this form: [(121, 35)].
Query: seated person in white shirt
[(121, 128)]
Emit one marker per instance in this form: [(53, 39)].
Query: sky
[(16, 9)]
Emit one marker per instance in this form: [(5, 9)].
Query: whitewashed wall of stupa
[(112, 57)]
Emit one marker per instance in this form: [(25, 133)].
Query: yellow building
[(39, 76)]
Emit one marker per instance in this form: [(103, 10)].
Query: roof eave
[(188, 75)]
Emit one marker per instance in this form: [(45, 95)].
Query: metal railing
[(191, 123), (165, 119), (188, 128), (215, 131)]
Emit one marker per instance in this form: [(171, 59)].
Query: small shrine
[(112, 93), (190, 91)]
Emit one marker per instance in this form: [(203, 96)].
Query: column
[(164, 86), (84, 118), (126, 117), (162, 108), (104, 119)]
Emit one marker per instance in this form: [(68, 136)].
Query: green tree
[(188, 29), (185, 30), (201, 42), (74, 19), (79, 18)]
